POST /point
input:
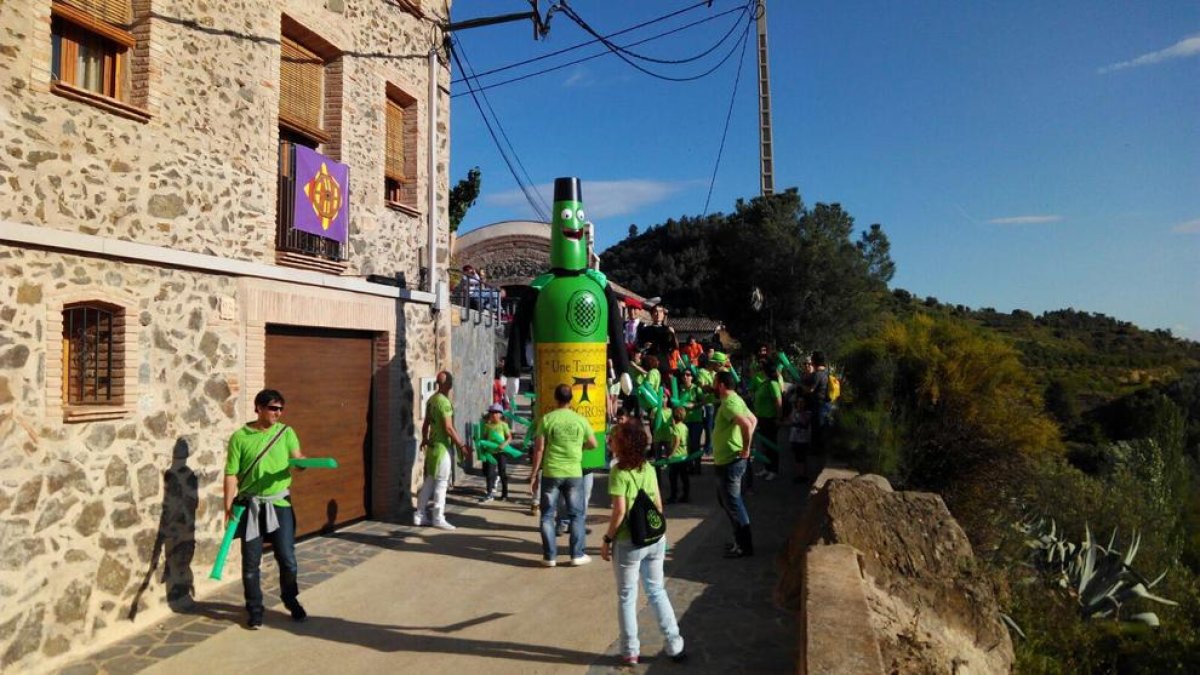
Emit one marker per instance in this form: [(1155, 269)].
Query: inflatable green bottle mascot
[(575, 322)]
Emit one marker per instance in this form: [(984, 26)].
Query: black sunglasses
[(275, 408)]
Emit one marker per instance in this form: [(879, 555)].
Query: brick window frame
[(116, 34), (401, 146), (115, 369)]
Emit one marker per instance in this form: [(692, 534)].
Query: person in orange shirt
[(693, 350)]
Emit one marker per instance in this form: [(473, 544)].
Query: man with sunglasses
[(257, 473)]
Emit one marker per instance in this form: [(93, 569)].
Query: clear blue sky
[(1019, 155)]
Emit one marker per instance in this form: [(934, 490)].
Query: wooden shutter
[(395, 141), (301, 74), (118, 12)]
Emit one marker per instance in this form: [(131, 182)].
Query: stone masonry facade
[(163, 210)]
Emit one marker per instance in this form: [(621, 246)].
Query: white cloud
[(1026, 220), (601, 199), (1190, 227), (1189, 46), (578, 78)]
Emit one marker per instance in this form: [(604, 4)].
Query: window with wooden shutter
[(400, 161), (90, 45), (301, 91)]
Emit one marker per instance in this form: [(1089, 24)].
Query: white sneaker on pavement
[(548, 563), (581, 560), (443, 525)]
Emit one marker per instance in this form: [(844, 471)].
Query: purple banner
[(322, 195)]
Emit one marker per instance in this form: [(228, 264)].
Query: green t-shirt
[(679, 431), (653, 378), (727, 435), (565, 432), (765, 397), (497, 433), (626, 483), (661, 426), (271, 474), (437, 411)]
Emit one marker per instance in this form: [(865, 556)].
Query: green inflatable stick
[(235, 517), (677, 460), (314, 463), (787, 366), (649, 398), (516, 418)]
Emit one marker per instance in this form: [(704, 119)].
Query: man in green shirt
[(437, 433), (732, 434), (257, 473), (768, 408), (559, 439)]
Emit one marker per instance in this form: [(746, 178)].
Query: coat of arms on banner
[(322, 204)]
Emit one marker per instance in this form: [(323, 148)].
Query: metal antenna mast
[(766, 158)]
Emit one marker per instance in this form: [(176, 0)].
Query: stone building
[(202, 199)]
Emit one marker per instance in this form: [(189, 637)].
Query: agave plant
[(1101, 577)]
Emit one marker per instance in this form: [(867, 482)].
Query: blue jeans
[(646, 562), (729, 492), (710, 419), (283, 543), (572, 491), (564, 518)]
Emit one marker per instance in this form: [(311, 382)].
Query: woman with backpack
[(631, 476)]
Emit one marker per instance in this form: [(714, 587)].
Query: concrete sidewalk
[(385, 596)]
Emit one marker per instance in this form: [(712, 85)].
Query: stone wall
[(473, 361), (100, 519), (108, 523)]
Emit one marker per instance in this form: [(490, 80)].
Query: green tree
[(463, 196), (876, 249)]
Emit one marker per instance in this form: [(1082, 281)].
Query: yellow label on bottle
[(583, 366)]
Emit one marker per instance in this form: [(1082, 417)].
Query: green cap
[(719, 358)]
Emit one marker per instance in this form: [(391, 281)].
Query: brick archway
[(510, 253)]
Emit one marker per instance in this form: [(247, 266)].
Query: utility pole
[(766, 158)]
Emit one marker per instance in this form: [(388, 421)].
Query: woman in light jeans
[(629, 442)]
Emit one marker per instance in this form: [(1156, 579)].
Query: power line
[(606, 52), (728, 115), (617, 50), (651, 59), (520, 183), (545, 207), (589, 42)]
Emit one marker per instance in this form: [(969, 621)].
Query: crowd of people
[(689, 403)]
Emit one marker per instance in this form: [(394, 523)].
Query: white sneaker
[(418, 521), (443, 525), (548, 563), (581, 560)]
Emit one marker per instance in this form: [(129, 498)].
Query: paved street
[(387, 596)]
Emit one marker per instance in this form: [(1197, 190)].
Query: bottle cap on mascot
[(568, 248)]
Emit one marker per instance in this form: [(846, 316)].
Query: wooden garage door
[(325, 376)]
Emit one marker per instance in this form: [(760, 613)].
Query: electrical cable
[(592, 42), (728, 115), (606, 52), (520, 183), (543, 213), (613, 48), (745, 10)]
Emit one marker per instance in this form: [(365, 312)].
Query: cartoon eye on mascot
[(574, 322)]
